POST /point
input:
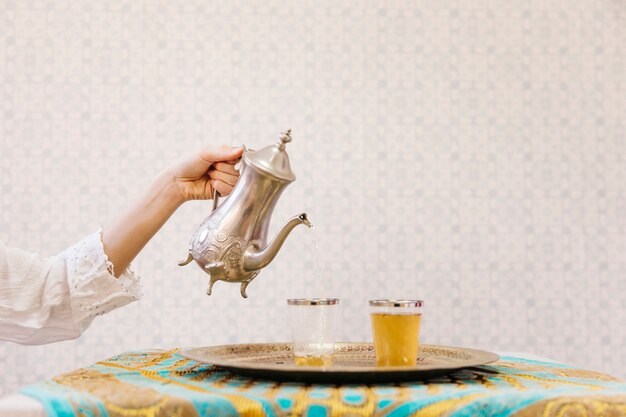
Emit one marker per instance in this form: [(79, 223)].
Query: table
[(162, 383)]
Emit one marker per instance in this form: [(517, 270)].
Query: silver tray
[(352, 362)]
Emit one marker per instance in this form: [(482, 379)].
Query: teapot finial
[(284, 139)]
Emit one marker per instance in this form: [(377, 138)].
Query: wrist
[(166, 190)]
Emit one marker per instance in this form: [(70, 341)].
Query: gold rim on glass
[(396, 303)]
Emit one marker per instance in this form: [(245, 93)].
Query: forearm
[(124, 238)]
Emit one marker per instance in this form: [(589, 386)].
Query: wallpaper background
[(469, 153)]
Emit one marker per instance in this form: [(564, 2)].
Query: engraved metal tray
[(352, 362)]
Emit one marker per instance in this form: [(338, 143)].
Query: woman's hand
[(211, 168), (191, 178)]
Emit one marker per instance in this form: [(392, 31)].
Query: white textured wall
[(472, 153)]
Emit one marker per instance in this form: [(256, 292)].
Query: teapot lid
[(273, 159)]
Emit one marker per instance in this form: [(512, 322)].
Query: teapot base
[(216, 272)]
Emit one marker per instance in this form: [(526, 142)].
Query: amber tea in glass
[(396, 327), (314, 328)]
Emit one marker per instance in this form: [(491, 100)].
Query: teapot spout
[(255, 259)]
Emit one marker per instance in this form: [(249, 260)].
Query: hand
[(193, 177), (211, 168)]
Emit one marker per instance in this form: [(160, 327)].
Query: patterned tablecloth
[(163, 383)]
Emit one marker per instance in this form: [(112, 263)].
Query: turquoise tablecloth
[(163, 383)]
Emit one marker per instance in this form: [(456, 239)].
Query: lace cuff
[(94, 290)]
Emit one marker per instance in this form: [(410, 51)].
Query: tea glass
[(396, 328), (314, 324)]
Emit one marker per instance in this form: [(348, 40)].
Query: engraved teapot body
[(231, 244)]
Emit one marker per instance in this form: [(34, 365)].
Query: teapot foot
[(244, 284), (186, 261), (211, 282), (210, 289), (216, 272)]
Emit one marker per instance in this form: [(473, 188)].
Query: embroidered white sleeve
[(94, 290), (45, 300)]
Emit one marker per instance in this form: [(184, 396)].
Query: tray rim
[(479, 357)]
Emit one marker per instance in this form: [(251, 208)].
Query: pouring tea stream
[(231, 244)]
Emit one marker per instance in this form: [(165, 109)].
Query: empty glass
[(314, 324)]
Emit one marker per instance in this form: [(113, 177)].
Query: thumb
[(221, 153)]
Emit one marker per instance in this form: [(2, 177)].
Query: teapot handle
[(216, 196), (216, 200)]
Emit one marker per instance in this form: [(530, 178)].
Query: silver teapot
[(231, 244)]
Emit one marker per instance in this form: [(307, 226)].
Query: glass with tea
[(314, 329), (396, 328)]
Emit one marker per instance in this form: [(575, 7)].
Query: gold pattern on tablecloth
[(564, 372), (443, 408), (107, 387), (242, 404), (597, 406), (140, 360), (124, 390), (122, 399), (337, 407)]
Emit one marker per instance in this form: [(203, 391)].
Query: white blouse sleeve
[(47, 300)]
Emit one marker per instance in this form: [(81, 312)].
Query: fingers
[(224, 172), (223, 188), (224, 177), (226, 167), (221, 153)]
